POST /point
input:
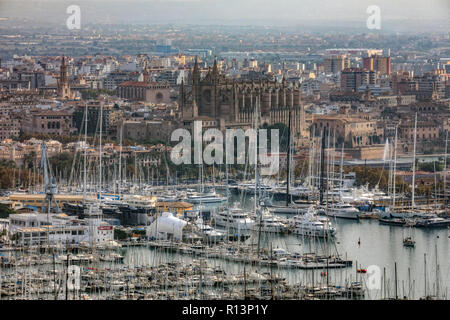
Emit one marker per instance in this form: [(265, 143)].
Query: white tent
[(166, 226)]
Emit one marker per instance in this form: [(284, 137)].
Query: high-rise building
[(9, 126), (335, 63), (378, 63), (431, 85), (253, 63), (403, 83), (353, 78), (447, 68)]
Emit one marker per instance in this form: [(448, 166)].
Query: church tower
[(63, 82), (146, 75)]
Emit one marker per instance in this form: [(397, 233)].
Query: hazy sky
[(239, 12)]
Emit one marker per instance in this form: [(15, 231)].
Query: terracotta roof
[(169, 204), (141, 84), (50, 112), (133, 84)]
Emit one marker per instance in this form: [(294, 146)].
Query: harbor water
[(370, 245)]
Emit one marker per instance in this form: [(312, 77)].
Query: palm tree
[(29, 160), (7, 164)]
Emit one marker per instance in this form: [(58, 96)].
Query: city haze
[(401, 15)]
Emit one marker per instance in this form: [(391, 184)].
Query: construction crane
[(49, 183)]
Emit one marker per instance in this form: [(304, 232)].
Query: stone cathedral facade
[(222, 103)]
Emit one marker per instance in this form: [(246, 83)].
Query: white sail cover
[(166, 225)]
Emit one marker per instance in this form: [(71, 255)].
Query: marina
[(297, 263), (224, 159), (214, 241)]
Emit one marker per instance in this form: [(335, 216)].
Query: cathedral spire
[(195, 73), (182, 95), (215, 71), (196, 65), (63, 69)]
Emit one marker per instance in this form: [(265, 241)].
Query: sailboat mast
[(228, 189), (288, 198), (100, 153), (135, 166), (425, 273), (85, 154), (256, 156), (342, 166), (445, 165), (414, 164), (395, 167), (322, 165), (396, 292), (120, 159), (437, 272)]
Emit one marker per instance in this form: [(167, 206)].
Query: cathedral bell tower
[(63, 82)]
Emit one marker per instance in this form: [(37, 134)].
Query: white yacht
[(310, 224), (341, 210), (380, 195), (171, 196), (411, 213), (383, 214), (269, 223), (234, 218), (292, 209), (296, 207), (250, 188), (205, 197), (208, 232)]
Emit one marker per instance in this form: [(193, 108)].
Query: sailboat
[(268, 222), (210, 234), (292, 207), (311, 224), (202, 196), (339, 209), (386, 213), (412, 212), (409, 242), (205, 197)]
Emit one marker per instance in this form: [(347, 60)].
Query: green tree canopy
[(5, 211)]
